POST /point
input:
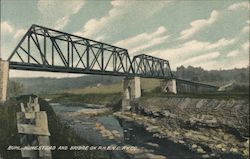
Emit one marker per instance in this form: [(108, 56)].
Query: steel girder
[(198, 84), (149, 66), (45, 49)]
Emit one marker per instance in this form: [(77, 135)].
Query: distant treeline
[(215, 77), (53, 85)]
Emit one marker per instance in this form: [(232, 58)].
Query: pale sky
[(211, 34)]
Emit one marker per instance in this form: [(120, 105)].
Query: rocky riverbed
[(214, 128), (105, 129), (99, 127), (165, 127)]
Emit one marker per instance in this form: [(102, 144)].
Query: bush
[(157, 90), (61, 135)]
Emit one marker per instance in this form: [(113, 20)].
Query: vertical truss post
[(52, 56), (44, 43), (72, 55), (87, 54), (68, 51), (28, 49), (102, 58)]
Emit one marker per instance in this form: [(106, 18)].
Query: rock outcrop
[(229, 114), (207, 126)]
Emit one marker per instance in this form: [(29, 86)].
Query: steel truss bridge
[(45, 49)]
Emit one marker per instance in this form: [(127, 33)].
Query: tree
[(15, 88)]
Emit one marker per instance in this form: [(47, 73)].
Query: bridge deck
[(45, 49)]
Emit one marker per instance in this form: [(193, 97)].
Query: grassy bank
[(94, 98), (147, 86), (110, 94), (103, 95), (113, 99)]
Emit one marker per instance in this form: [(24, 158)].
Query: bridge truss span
[(45, 49), (149, 66)]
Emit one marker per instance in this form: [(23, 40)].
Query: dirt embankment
[(230, 113), (207, 126)]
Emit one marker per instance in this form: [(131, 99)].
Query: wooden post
[(32, 125)]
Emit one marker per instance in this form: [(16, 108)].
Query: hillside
[(214, 77), (147, 86), (113, 84), (51, 85)]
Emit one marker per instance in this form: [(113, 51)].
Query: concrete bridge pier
[(4, 77), (168, 85), (131, 91)]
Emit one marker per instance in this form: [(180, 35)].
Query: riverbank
[(61, 135), (88, 122), (95, 98), (106, 130), (211, 127)]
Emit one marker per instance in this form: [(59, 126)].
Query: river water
[(98, 130)]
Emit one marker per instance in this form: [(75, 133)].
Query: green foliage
[(15, 88), (61, 135), (217, 77), (116, 105), (93, 98), (110, 84), (50, 85), (8, 130), (241, 88), (157, 90)]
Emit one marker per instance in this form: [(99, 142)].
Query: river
[(98, 126)]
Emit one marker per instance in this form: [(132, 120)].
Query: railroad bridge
[(45, 49)]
